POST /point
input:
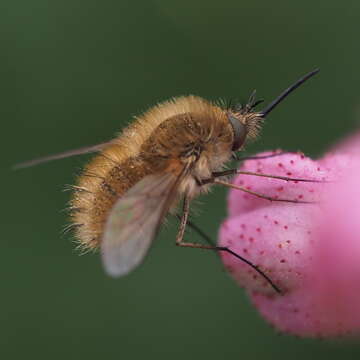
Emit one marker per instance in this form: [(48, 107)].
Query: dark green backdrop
[(73, 73)]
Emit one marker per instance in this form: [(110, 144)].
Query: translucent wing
[(134, 222), (65, 154)]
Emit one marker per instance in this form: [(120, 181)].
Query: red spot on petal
[(229, 269), (280, 165), (258, 229), (297, 252), (245, 251), (289, 173), (262, 252), (300, 196), (282, 260), (276, 222), (280, 188), (251, 239), (285, 227), (292, 162), (241, 236)]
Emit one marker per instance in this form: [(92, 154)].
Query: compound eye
[(240, 132)]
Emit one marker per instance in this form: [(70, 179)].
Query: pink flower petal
[(311, 251), (277, 240), (289, 165)]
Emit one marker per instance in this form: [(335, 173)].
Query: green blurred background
[(73, 73)]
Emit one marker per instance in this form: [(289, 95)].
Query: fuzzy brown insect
[(174, 151)]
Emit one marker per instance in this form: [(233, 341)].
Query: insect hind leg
[(180, 242)]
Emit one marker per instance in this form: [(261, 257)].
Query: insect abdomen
[(93, 206)]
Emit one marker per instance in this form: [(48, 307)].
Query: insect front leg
[(259, 195), (216, 175), (236, 157), (219, 174)]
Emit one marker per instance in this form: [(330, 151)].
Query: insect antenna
[(287, 92)]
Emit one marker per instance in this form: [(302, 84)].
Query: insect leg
[(286, 178), (180, 242), (262, 196), (201, 233), (261, 157), (183, 221)]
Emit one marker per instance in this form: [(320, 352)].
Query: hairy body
[(184, 131), (172, 152)]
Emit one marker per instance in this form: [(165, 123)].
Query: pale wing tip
[(115, 263), (19, 166), (113, 267)]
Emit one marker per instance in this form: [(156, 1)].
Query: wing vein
[(135, 220)]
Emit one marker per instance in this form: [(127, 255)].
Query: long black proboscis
[(287, 92)]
